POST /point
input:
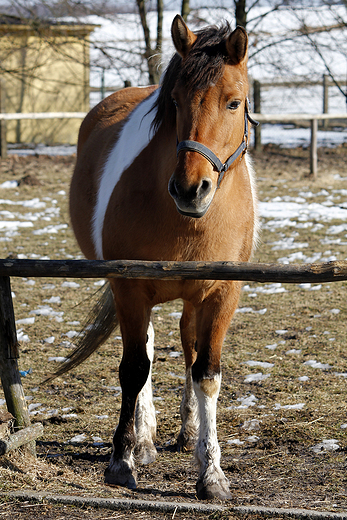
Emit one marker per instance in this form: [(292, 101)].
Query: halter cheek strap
[(195, 146)]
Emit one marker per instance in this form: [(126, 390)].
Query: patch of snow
[(246, 401), (9, 184), (25, 321), (235, 441), (251, 424), (78, 438), (71, 285), (254, 378), (271, 347), (326, 445), (316, 364), (262, 364), (298, 406)]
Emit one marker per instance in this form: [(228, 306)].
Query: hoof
[(185, 442), (120, 474), (218, 489), (145, 453)]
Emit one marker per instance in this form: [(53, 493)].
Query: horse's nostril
[(205, 187), (172, 188)]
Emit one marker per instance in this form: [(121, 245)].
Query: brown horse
[(136, 195)]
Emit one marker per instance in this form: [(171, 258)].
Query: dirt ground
[(266, 445)]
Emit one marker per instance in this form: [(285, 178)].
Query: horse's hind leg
[(189, 405), (133, 373), (145, 420)]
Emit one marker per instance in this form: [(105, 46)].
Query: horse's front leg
[(133, 373), (145, 420), (213, 318)]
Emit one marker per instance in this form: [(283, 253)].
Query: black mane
[(203, 66)]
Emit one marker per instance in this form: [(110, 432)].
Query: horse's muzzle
[(193, 201)]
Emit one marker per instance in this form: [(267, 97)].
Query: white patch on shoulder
[(134, 137), (251, 173)]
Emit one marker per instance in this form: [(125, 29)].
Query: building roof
[(13, 23)]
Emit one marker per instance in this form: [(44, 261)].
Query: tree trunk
[(185, 10), (153, 56), (240, 13)]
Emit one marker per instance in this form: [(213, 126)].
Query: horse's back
[(110, 111), (98, 133)]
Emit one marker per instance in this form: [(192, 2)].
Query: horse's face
[(213, 116)]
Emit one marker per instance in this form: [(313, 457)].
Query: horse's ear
[(182, 37), (237, 45)]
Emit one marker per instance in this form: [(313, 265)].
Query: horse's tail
[(99, 325)]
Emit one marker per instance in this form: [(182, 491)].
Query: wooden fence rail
[(257, 272), (42, 115)]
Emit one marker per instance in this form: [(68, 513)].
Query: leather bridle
[(195, 146)]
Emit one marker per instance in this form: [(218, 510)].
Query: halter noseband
[(195, 146)]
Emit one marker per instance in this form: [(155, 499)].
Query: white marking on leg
[(189, 414), (145, 420), (134, 137), (207, 449)]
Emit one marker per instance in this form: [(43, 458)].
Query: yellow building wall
[(46, 72)]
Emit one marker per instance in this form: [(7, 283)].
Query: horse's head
[(210, 95)]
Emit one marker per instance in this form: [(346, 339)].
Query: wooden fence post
[(102, 86), (325, 98), (313, 148), (3, 141), (9, 373), (257, 110)]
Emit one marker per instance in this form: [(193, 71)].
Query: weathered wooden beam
[(3, 133), (289, 118), (257, 272), (9, 373), (42, 115), (20, 438), (257, 108), (313, 149)]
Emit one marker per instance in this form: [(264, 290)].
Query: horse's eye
[(233, 105), (175, 102)]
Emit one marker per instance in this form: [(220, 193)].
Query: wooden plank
[(325, 98), (25, 436), (290, 118), (313, 149), (9, 373), (42, 115), (257, 108), (3, 132), (258, 272)]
